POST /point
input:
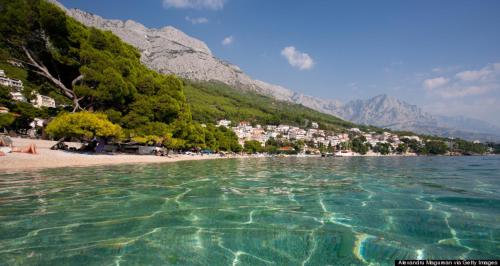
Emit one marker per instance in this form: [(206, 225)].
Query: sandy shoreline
[(48, 158)]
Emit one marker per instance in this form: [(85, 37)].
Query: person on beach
[(7, 147), (28, 149)]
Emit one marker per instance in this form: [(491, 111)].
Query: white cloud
[(464, 91), (487, 72), (465, 83), (446, 69), (197, 4), (194, 21), (297, 59), (228, 40), (431, 84), (469, 92)]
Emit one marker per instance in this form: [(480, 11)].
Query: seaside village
[(286, 139), (313, 141)]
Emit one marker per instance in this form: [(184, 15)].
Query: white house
[(13, 83), (224, 123), (17, 96), (43, 101)]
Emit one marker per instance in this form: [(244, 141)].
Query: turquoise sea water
[(286, 211)]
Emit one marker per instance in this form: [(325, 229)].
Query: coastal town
[(316, 141)]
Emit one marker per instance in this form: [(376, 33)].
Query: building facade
[(43, 101)]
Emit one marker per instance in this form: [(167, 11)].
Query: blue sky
[(441, 55)]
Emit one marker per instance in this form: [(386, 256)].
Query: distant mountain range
[(171, 51), (389, 112)]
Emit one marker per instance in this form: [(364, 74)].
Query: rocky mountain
[(385, 111), (467, 124), (171, 51)]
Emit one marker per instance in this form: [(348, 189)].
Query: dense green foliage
[(83, 125), (252, 146), (468, 147), (112, 78), (357, 143), (436, 147), (208, 137), (359, 146), (402, 148), (221, 139), (6, 120), (414, 146), (383, 147)]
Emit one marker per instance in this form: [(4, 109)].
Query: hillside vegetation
[(211, 101)]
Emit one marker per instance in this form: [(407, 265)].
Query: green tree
[(252, 146), (436, 147), (346, 145), (359, 146), (151, 133), (174, 143), (192, 133), (330, 147), (402, 148), (415, 146), (225, 139), (5, 97), (6, 120), (467, 147), (83, 125), (298, 145), (26, 114), (382, 147), (271, 146)]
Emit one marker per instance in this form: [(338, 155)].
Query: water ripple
[(291, 211)]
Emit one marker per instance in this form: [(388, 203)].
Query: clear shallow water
[(296, 211)]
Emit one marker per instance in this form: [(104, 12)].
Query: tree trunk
[(43, 71)]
